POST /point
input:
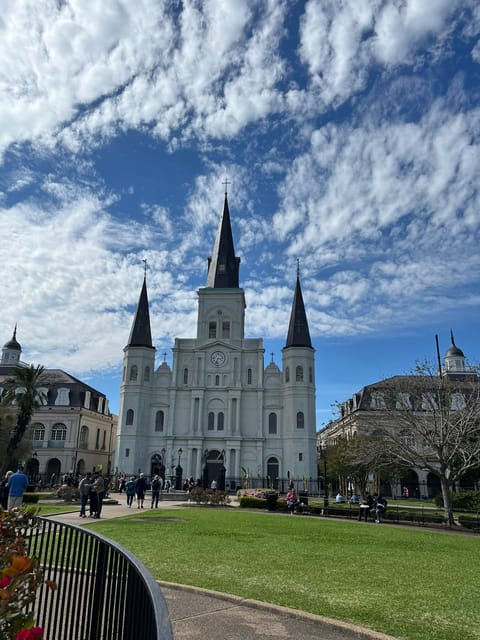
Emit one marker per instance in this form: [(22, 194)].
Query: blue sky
[(349, 131)]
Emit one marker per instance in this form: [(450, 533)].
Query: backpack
[(156, 485)]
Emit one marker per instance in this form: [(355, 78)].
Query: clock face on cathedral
[(217, 358)]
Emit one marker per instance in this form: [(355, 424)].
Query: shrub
[(249, 502), (68, 493), (30, 498), (206, 496), (468, 500)]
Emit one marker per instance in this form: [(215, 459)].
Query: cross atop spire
[(225, 183), (144, 260)]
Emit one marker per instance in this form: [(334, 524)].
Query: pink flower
[(4, 582), (35, 633)]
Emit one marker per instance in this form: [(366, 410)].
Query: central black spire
[(141, 335), (223, 265)]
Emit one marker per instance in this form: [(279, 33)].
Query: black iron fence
[(103, 591)]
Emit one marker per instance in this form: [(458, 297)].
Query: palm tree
[(20, 390)]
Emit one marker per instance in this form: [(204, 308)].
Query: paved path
[(197, 614)]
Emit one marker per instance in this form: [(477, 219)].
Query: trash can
[(271, 499)]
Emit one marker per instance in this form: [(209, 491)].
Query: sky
[(348, 131)]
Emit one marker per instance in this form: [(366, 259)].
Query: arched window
[(249, 376), (38, 431), (129, 419), (217, 380), (272, 423), (185, 376), (146, 374), (159, 420), (299, 374), (134, 372), (287, 374), (273, 471), (300, 420), (310, 374), (211, 420), (458, 401), (212, 329), (59, 431), (83, 438), (220, 421)]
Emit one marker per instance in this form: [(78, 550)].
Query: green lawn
[(408, 583)]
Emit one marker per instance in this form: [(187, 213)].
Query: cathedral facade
[(219, 413)]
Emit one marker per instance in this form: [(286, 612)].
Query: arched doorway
[(53, 471), (214, 469), (433, 485), (273, 472), (32, 469), (157, 468), (410, 480)]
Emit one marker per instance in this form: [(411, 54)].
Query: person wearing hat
[(140, 488)]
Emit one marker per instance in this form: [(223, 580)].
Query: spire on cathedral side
[(298, 333), (223, 265), (141, 334)]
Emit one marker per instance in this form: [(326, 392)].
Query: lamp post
[(178, 478), (205, 469), (221, 479), (322, 450), (162, 465)]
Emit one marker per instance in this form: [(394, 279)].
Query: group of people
[(375, 506), (92, 491), (136, 488), (12, 488)]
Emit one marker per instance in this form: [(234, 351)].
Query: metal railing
[(103, 592)]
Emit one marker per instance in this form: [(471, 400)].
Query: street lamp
[(178, 479)]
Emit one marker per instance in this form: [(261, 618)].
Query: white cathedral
[(219, 413)]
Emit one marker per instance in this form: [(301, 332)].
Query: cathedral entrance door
[(215, 469)]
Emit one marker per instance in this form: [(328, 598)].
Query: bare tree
[(433, 422)]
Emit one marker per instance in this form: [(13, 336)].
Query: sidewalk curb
[(362, 633)]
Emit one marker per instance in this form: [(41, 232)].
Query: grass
[(411, 584)]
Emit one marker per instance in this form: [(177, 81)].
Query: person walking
[(156, 487), (17, 485), (130, 490), (140, 488), (98, 487), (84, 491), (4, 490)]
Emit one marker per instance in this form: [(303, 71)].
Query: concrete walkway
[(197, 614)]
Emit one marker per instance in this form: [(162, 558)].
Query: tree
[(433, 422), (21, 395), (356, 459)]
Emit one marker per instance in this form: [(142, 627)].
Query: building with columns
[(219, 413)]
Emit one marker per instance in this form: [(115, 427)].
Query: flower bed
[(20, 577)]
